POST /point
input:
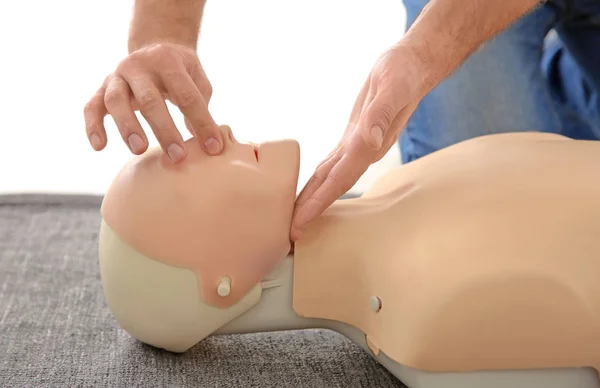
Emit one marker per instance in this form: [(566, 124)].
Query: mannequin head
[(225, 219)]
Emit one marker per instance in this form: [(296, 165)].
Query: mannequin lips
[(255, 149)]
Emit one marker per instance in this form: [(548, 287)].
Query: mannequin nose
[(227, 134)]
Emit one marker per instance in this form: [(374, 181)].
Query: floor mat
[(56, 330)]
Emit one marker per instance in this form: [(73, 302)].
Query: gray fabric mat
[(56, 330)]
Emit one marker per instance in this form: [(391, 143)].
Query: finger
[(378, 117), (201, 80), (93, 113), (342, 176), (184, 93), (116, 100), (188, 125), (340, 146), (154, 109), (317, 178), (358, 107), (325, 166), (323, 169)]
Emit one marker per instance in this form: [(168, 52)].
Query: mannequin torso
[(483, 256), (480, 257)]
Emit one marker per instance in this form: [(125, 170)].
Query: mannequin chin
[(183, 247), (415, 271), (157, 303), (226, 217)]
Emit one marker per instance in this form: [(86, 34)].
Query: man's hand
[(143, 81), (162, 65), (443, 36), (387, 99)]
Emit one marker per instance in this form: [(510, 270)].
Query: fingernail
[(212, 146), (175, 152), (377, 136), (135, 143), (95, 141)]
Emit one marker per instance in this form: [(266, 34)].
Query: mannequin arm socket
[(173, 21), (447, 32)]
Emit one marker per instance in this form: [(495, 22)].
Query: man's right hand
[(143, 81)]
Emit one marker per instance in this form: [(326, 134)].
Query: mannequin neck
[(275, 310), (346, 230)]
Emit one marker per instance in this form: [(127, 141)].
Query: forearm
[(174, 21), (448, 31)]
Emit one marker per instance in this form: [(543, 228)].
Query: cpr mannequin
[(475, 266)]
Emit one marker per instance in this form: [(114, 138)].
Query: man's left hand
[(390, 95)]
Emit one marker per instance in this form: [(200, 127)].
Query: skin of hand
[(143, 81), (384, 104), (443, 36), (162, 65)]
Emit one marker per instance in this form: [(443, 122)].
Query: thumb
[(376, 121)]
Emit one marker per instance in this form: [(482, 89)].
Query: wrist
[(426, 62), (436, 52), (165, 21), (136, 43), (447, 32)]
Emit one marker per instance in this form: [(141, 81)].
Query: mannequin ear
[(156, 303)]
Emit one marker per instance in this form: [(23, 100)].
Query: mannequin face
[(243, 168), (226, 215)]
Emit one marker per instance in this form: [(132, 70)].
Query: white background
[(278, 69)]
